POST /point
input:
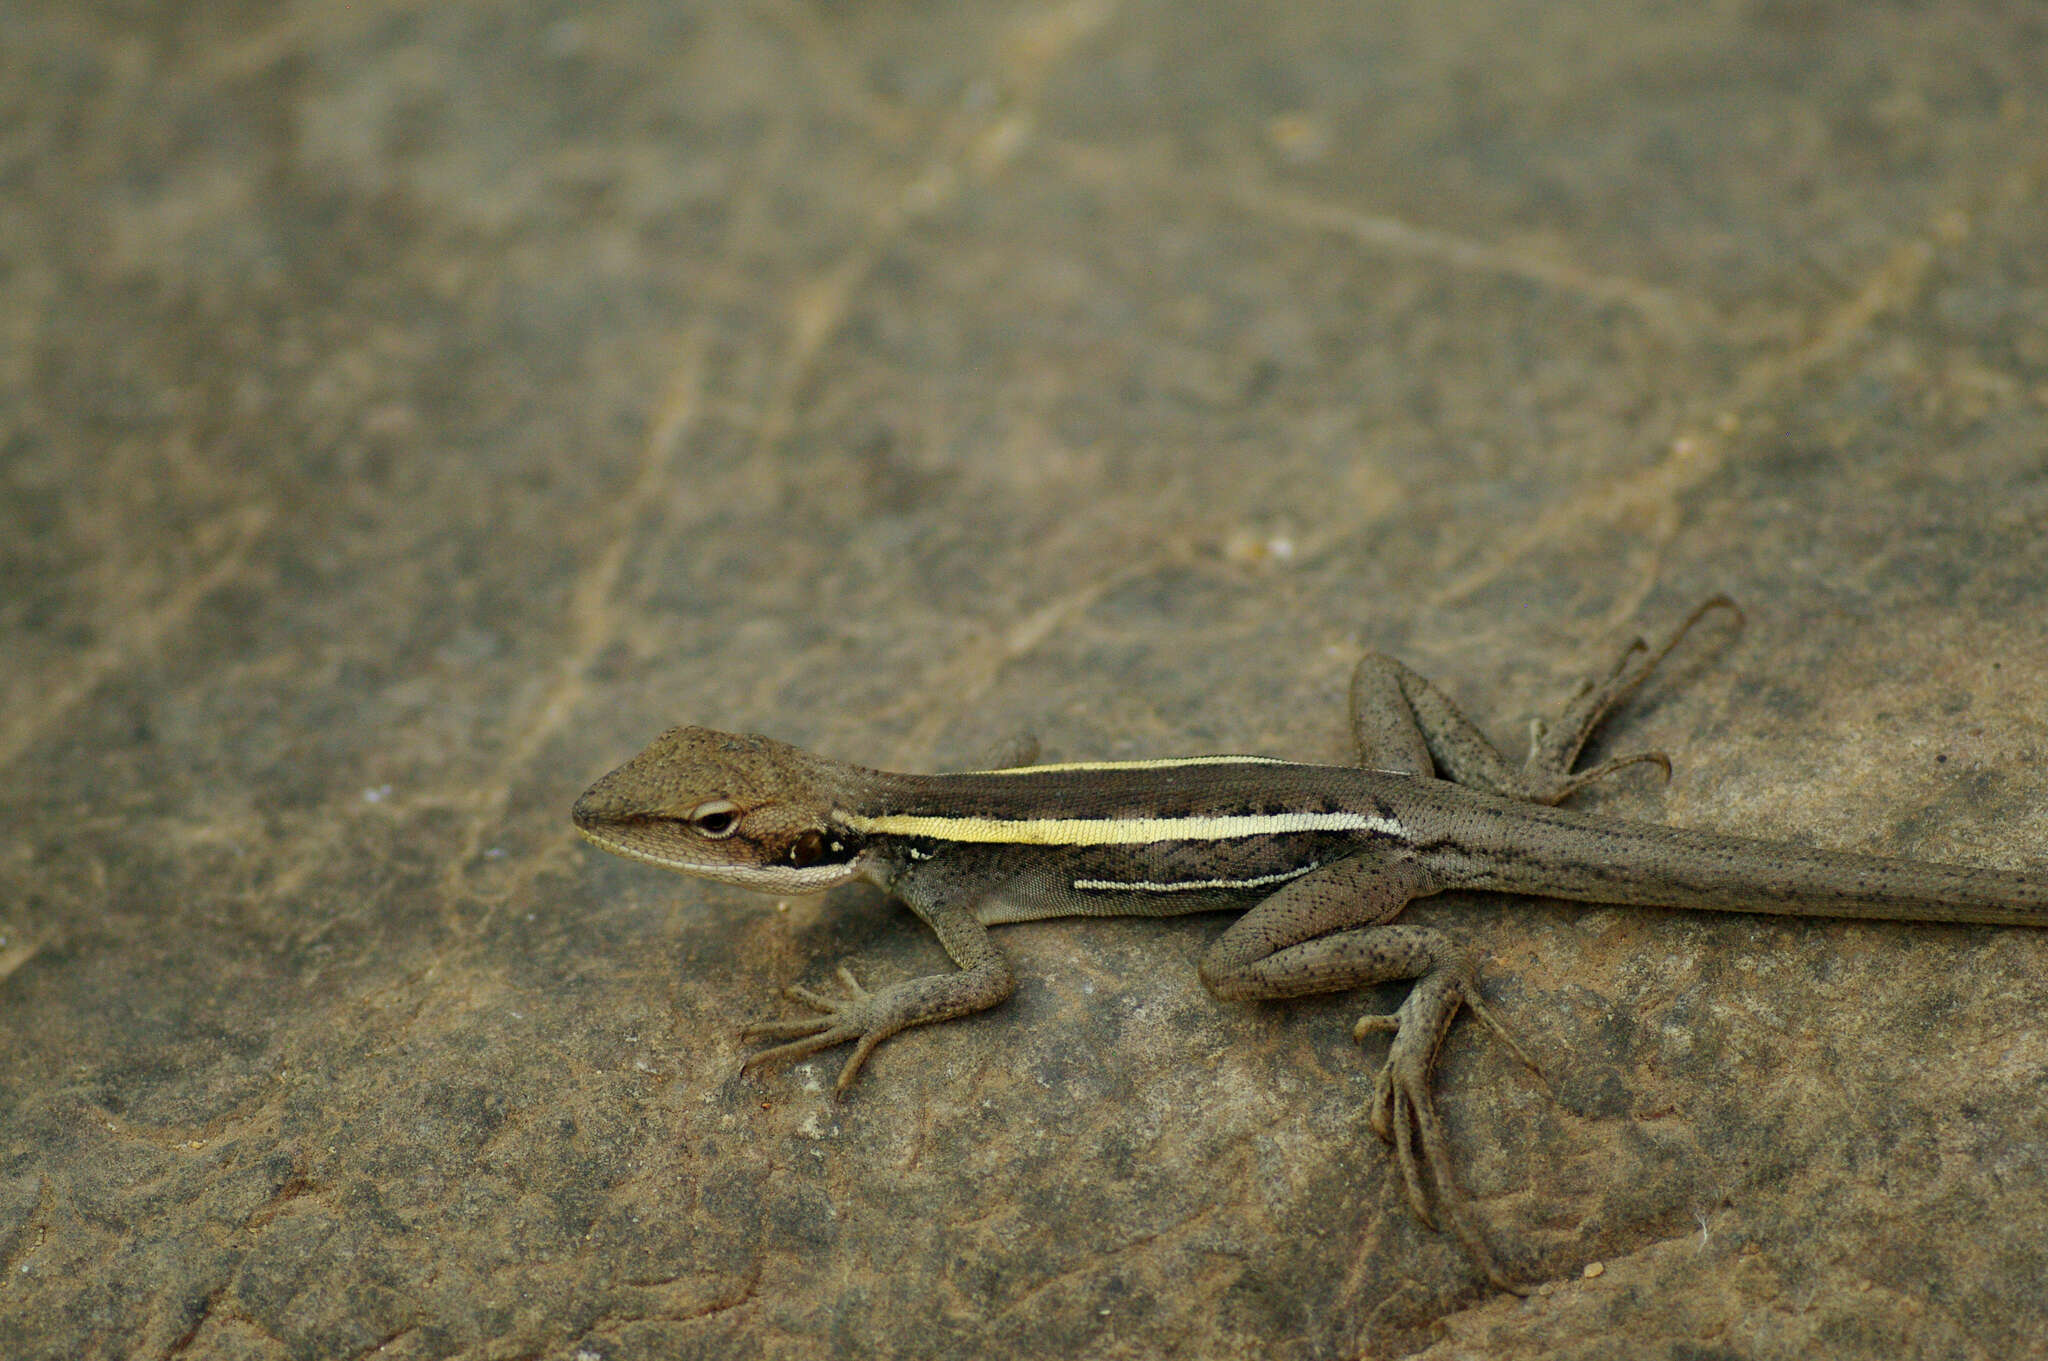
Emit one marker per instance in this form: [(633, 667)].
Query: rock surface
[(405, 412)]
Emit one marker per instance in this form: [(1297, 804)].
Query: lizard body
[(1323, 858)]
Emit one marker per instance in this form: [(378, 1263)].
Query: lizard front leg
[(1333, 929), (868, 1018)]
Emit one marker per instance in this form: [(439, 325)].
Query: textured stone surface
[(406, 412)]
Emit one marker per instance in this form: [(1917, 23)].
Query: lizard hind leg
[(1403, 1111), (1332, 930), (1547, 774), (1403, 723)]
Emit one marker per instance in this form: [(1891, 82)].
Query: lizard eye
[(719, 817)]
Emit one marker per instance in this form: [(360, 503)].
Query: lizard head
[(735, 807)]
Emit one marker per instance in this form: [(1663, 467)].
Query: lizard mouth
[(769, 878)]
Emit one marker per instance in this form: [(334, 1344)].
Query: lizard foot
[(859, 1015), (1403, 1112), (1547, 776)]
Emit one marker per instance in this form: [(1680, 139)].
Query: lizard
[(1319, 859)]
